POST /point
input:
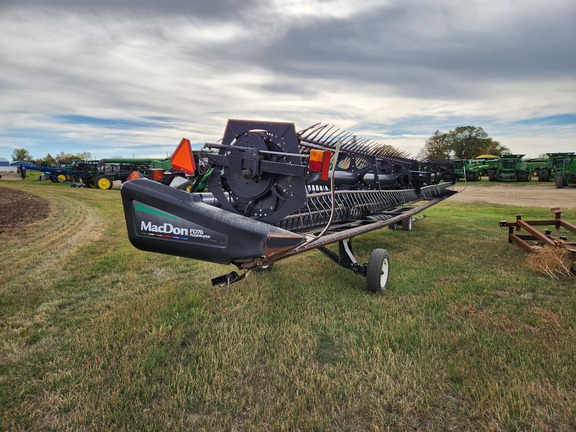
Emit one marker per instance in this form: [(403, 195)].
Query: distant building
[(5, 166)]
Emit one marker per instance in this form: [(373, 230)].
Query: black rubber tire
[(491, 175), (559, 181), (378, 271), (103, 182)]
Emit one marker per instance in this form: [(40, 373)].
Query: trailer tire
[(103, 182), (378, 270)]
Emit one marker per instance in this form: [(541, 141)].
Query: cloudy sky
[(131, 78)]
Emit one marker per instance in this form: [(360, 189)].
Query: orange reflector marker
[(182, 159), (319, 161), (157, 174), (134, 175)]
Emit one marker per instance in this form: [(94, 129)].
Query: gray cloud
[(392, 68), (220, 9)]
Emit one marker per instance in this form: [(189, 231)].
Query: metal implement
[(535, 238), (535, 241), (274, 192)]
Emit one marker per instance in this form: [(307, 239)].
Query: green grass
[(96, 335)]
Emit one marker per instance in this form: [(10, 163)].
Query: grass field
[(96, 335)]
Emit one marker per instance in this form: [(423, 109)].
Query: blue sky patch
[(113, 123), (555, 120)]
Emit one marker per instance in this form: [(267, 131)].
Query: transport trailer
[(56, 175), (273, 193)]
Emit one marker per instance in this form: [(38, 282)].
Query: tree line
[(22, 155), (464, 142)]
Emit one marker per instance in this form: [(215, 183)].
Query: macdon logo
[(167, 228)]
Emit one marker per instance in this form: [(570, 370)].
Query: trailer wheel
[(103, 182), (559, 181), (378, 270)]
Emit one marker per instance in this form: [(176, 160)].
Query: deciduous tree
[(464, 142), (437, 147), (21, 155)]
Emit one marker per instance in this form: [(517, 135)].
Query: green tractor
[(559, 165), (511, 168), (536, 165), (486, 164), (468, 169), (561, 169)]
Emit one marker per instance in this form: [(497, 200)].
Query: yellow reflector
[(316, 156)]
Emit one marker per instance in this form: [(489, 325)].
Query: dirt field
[(19, 208), (543, 195)]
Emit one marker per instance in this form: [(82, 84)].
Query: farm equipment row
[(274, 193), (557, 167), (102, 174)]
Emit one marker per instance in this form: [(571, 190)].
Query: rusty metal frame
[(536, 235)]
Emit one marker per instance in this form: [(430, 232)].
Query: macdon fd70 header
[(268, 192)]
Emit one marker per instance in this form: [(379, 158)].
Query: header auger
[(273, 192)]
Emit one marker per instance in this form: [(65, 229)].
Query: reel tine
[(328, 135), (312, 136)]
